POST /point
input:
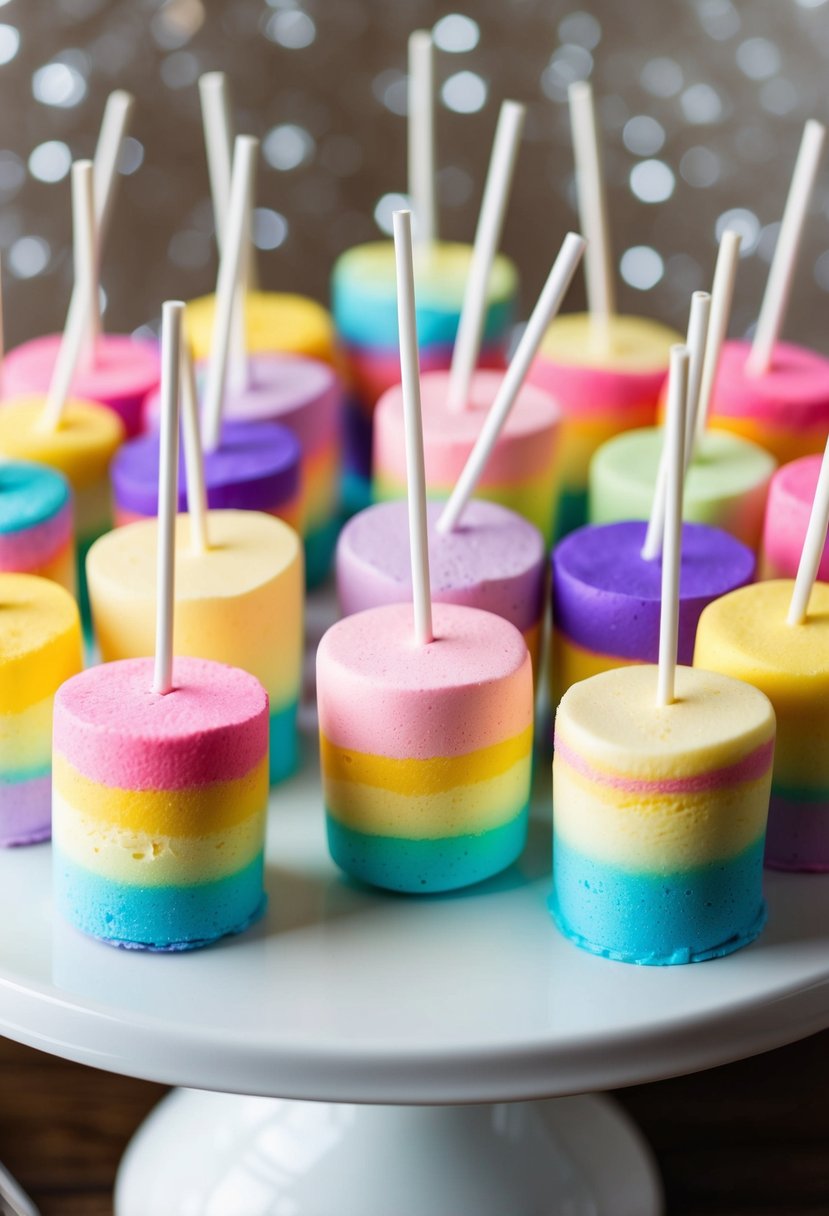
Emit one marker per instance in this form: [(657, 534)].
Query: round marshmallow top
[(607, 597), (212, 726), (613, 718), (788, 508), (30, 494), (81, 447), (124, 372), (274, 321), (382, 693), (255, 468), (794, 392), (623, 473), (40, 640), (494, 560), (636, 345), (523, 451), (364, 289), (247, 549), (746, 634), (304, 395)]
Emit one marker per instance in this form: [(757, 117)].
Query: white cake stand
[(430, 1013)]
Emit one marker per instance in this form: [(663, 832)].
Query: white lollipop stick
[(114, 127), (172, 314), (415, 471), (722, 292), (217, 121), (81, 321), (697, 334), (781, 274), (193, 458), (549, 302), (812, 546), (487, 236), (230, 269), (672, 549), (421, 107), (592, 200)]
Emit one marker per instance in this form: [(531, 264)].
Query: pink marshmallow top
[(583, 391), (789, 505), (524, 450), (794, 393), (303, 394), (381, 693), (124, 372), (111, 726)]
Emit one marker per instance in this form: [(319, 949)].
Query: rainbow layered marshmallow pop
[(661, 782), (37, 534), (607, 578), (791, 494), (426, 715), (77, 438), (40, 647), (604, 371), (776, 393), (363, 279), (115, 370), (776, 635), (238, 599), (272, 321), (161, 773), (305, 396), (728, 477), (493, 436)]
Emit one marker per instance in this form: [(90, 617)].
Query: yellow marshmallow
[(40, 640), (275, 321), (636, 344), (81, 447), (240, 603)]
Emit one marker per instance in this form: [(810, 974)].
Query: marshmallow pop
[(363, 280), (776, 635), (771, 392), (661, 780), (114, 370), (425, 713), (161, 773), (603, 370), (40, 647)]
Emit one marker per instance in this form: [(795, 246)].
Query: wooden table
[(750, 1139)]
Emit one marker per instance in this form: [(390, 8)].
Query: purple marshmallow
[(606, 597), (255, 468), (493, 560)]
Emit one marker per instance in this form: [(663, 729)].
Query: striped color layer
[(746, 635), (658, 848), (40, 647), (441, 800), (601, 390), (170, 857)]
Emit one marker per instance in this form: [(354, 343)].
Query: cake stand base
[(210, 1154)]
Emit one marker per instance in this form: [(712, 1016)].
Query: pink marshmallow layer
[(789, 505), (111, 726), (385, 695)]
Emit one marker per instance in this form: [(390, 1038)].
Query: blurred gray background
[(702, 103)]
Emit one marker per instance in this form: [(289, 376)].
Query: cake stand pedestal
[(388, 1056)]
